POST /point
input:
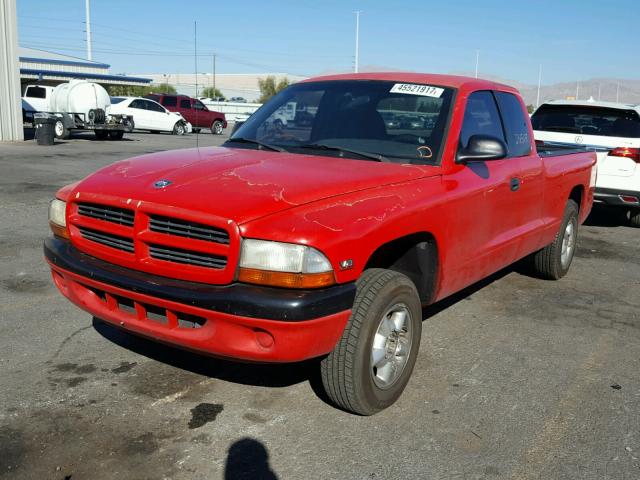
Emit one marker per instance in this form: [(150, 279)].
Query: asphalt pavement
[(516, 377)]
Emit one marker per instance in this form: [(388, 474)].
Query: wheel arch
[(415, 255), (577, 194)]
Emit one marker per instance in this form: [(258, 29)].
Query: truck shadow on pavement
[(257, 374)]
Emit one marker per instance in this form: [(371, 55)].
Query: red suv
[(193, 110)]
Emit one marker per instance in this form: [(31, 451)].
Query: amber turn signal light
[(286, 279), (59, 230)]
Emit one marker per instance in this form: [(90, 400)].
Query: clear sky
[(572, 39)]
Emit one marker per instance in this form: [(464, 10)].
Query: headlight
[(57, 218), (284, 265)]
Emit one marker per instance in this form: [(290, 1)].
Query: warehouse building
[(231, 85), (49, 68)]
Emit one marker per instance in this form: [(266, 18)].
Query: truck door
[(484, 221), (528, 200), (202, 115), (184, 107)]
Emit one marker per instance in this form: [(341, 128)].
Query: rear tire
[(553, 261), (634, 217), (101, 134), (216, 127), (116, 134), (372, 362)]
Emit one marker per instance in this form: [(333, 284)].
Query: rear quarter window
[(516, 125), (185, 103), (169, 101)]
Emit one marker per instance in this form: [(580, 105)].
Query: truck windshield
[(586, 120), (358, 119)]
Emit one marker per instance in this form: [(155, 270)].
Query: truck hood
[(242, 184)]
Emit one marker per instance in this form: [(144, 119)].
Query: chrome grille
[(121, 216), (178, 255), (183, 228), (108, 239)]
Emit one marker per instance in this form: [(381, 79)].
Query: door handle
[(514, 184)]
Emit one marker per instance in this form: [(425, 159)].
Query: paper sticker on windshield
[(415, 89)]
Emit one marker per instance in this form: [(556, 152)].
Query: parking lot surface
[(516, 377)]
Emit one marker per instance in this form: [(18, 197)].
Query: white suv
[(614, 129)]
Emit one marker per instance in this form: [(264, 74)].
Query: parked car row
[(193, 110), (82, 105), (150, 115)]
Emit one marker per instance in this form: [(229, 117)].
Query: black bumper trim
[(611, 196), (236, 299)]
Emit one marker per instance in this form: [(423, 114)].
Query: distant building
[(243, 85), (51, 68)]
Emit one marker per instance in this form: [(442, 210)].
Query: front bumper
[(622, 198), (236, 321)]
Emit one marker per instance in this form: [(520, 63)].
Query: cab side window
[(185, 103), (481, 117), (515, 124)]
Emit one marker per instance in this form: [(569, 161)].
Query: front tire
[(634, 217), (216, 127), (178, 129), (553, 261), (116, 134), (372, 362)]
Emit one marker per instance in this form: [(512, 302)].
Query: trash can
[(45, 128)]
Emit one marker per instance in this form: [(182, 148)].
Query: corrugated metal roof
[(43, 56), (54, 74)]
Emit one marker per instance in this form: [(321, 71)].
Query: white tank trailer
[(82, 105)]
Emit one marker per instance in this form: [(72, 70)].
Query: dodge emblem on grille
[(162, 184)]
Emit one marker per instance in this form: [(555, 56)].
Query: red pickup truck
[(324, 239), (193, 110)]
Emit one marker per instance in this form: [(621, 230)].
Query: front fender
[(353, 226)]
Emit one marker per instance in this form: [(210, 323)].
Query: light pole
[(477, 61), (214, 75), (539, 83), (88, 24), (356, 65)]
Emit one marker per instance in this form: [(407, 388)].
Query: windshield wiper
[(322, 146), (261, 145)]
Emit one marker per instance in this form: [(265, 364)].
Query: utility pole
[(617, 92), (356, 65), (577, 89), (599, 91), (477, 61), (88, 22), (214, 75), (539, 82)]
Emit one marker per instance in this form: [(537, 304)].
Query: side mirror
[(482, 148)]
